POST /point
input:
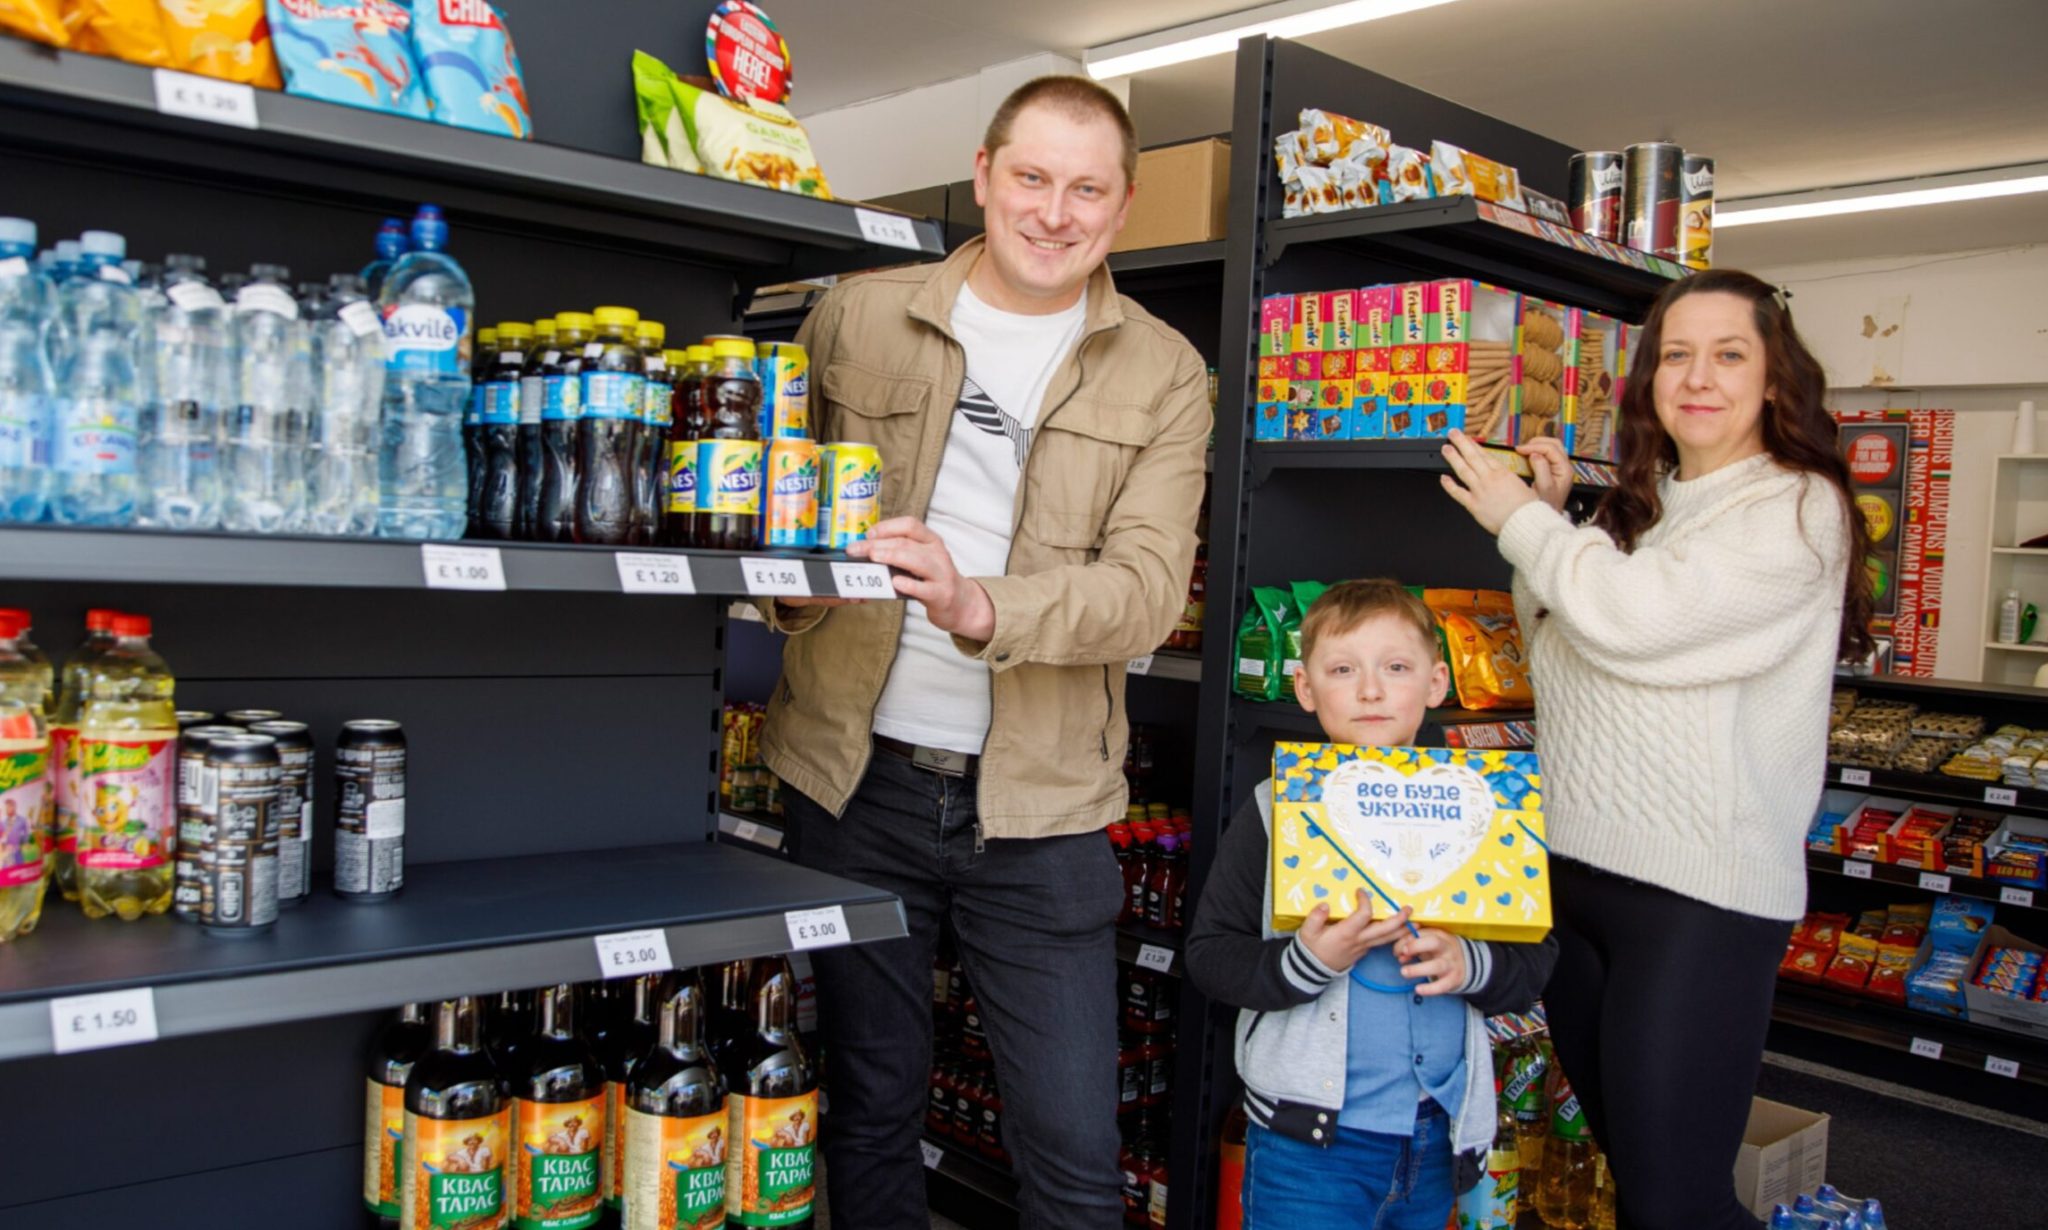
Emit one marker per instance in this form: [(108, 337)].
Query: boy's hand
[(1340, 944), (1433, 955)]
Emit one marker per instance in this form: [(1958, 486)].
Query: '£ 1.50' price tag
[(462, 567), (110, 1018), (863, 581), (821, 928), (655, 574), (627, 953), (778, 578)]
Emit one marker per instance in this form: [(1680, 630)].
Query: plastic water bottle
[(267, 430), (1873, 1215), (426, 306), (348, 395), (96, 481), (188, 354), (1836, 1208), (27, 388), (392, 243)]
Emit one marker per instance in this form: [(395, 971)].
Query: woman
[(1683, 647)]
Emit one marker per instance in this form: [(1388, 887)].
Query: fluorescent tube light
[(1219, 35), (1896, 194)]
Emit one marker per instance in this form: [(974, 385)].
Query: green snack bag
[(664, 140), (756, 142), (1305, 595), (1261, 645)]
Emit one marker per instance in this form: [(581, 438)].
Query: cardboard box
[(1455, 834), (1183, 196), (2000, 1011), (2012, 855), (1276, 367), (1593, 361), (1784, 1152), (1373, 364), (1407, 360), (1465, 319)]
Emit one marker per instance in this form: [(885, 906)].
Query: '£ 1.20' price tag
[(655, 574), (624, 954), (110, 1018)]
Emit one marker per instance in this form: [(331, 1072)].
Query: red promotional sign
[(1872, 457), (749, 57)]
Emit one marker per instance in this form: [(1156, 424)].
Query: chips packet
[(664, 139), (1484, 646), (471, 71), (38, 20), (354, 52), (228, 39), (759, 143), (131, 30), (1261, 645)]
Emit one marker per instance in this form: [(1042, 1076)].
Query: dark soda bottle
[(532, 399), (398, 1047), (774, 1109), (622, 1045), (1187, 631), (729, 1013), (473, 421), (458, 1127), (558, 1120), (495, 501), (729, 453), (676, 1151), (561, 412), (650, 450), (608, 434), (691, 421)]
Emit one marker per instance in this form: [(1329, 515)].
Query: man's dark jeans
[(1036, 925)]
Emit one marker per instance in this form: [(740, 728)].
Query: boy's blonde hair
[(1348, 604)]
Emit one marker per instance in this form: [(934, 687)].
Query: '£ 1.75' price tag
[(624, 954), (890, 230), (777, 578), (110, 1018), (655, 574), (821, 928), (462, 567)]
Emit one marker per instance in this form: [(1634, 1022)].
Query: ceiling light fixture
[(1219, 35), (1894, 194)]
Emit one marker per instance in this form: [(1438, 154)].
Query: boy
[(1362, 1043)]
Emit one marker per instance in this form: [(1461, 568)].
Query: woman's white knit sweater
[(1682, 688)]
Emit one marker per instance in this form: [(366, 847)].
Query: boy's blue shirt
[(1399, 1048)]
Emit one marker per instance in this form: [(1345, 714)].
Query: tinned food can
[(239, 865), (855, 482), (1696, 212), (294, 808), (1594, 195), (793, 476), (785, 369), (198, 798), (1650, 197), (369, 822)]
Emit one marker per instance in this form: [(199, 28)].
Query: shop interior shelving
[(562, 736)]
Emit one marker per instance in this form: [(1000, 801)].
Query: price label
[(932, 1154), (889, 230), (1855, 869), (747, 830), (1140, 666), (1153, 957), (1855, 777), (361, 319), (204, 98), (1925, 1049), (825, 928), (110, 1018), (2016, 896), (462, 567), (199, 297), (775, 578), (863, 581), (2009, 1068), (1934, 883), (654, 574), (2001, 796), (624, 954)]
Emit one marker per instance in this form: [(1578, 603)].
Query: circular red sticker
[(1872, 457), (749, 58)]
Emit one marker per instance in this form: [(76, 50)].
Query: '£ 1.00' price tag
[(862, 581), (110, 1018), (821, 928), (627, 953), (775, 578), (654, 574), (462, 567)]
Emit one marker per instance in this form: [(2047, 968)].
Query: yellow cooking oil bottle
[(24, 783), (127, 761), (64, 778), (1565, 1197)]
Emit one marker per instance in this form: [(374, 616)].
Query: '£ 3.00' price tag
[(624, 954), (820, 928)]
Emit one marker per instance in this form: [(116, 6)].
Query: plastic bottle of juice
[(729, 452), (680, 524), (608, 437), (64, 779), (532, 396), (650, 457), (24, 783), (1565, 1197), (481, 361), (1528, 1066), (39, 662), (127, 760), (496, 506), (561, 412), (1495, 1202)]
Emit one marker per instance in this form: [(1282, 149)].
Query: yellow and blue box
[(1276, 367), (1454, 833)]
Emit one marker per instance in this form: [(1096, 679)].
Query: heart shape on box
[(1413, 830)]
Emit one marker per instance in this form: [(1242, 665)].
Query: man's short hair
[(1348, 604), (1078, 98)]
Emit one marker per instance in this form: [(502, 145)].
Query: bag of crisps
[(228, 39), (131, 30), (664, 140), (758, 143), (1262, 645), (1483, 644), (35, 19), (472, 72), (354, 52)]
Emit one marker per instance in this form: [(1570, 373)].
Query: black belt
[(931, 759)]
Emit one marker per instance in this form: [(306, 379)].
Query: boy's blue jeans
[(1362, 1181)]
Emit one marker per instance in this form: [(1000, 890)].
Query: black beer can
[(294, 808), (369, 822), (248, 717), (239, 866), (1595, 194), (198, 798), (188, 718)]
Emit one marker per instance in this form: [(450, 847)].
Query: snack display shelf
[(457, 928), (1149, 947), (1286, 717), (167, 557), (1398, 455), (2021, 896), (990, 1180), (63, 101), (1996, 1052), (1940, 788)]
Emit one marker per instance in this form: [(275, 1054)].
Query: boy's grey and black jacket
[(1294, 1026)]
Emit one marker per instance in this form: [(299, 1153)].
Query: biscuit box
[(1276, 367), (1407, 360), (1373, 362), (1455, 834)]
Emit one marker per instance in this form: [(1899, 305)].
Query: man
[(1042, 443)]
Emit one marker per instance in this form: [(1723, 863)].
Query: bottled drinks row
[(665, 1101), (132, 806), (135, 394), (1151, 841), (746, 785)]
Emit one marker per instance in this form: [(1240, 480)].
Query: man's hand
[(1435, 956), (1340, 944), (1488, 489), (953, 603), (1552, 468)]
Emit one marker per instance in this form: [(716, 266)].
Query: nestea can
[(792, 494), (855, 483)]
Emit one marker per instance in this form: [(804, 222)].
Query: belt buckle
[(941, 761)]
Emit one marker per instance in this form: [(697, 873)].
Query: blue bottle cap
[(19, 231), (108, 244)]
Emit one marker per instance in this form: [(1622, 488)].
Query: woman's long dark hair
[(1798, 432)]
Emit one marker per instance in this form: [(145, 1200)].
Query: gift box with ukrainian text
[(1455, 833)]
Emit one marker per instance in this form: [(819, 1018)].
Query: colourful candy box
[(1457, 834)]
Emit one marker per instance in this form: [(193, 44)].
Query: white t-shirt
[(938, 696)]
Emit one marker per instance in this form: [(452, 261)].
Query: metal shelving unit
[(1995, 1052)]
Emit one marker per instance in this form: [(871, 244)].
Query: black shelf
[(1452, 236), (1426, 455), (1286, 717), (1174, 257), (1939, 788), (755, 829), (1171, 664), (990, 1180), (2028, 897), (456, 929), (62, 101), (1132, 938), (1962, 1043), (166, 557)]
